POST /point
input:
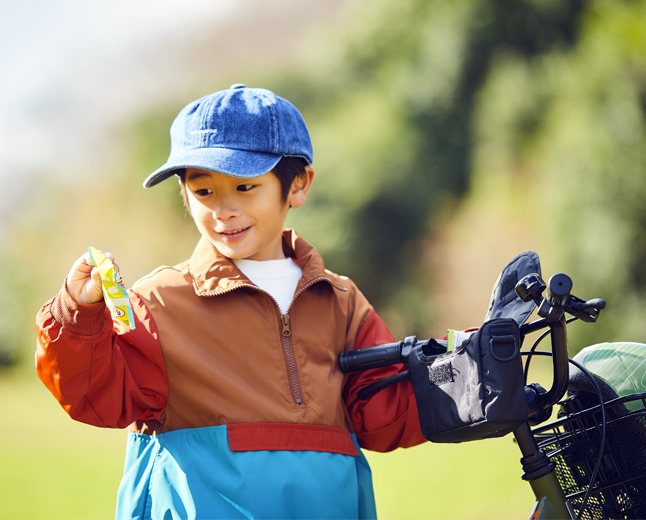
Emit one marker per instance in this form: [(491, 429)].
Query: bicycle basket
[(573, 440)]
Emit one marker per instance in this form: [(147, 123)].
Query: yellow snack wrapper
[(455, 338), (114, 292)]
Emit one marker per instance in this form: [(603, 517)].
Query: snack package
[(455, 338), (114, 292)]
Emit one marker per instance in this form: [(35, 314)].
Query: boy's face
[(242, 218)]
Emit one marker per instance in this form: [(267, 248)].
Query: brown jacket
[(211, 348)]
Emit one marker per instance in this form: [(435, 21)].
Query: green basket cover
[(621, 365)]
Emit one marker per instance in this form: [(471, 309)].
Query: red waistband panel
[(290, 437)]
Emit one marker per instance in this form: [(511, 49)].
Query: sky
[(70, 70)]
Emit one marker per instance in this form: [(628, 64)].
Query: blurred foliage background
[(449, 137)]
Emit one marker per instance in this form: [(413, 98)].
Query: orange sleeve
[(388, 419), (101, 372)]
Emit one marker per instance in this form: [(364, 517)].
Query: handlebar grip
[(597, 304), (558, 290), (371, 357)]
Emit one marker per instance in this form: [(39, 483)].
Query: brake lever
[(587, 311)]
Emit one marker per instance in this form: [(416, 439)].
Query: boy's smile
[(233, 235), (242, 218)]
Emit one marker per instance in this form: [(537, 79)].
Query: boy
[(229, 383)]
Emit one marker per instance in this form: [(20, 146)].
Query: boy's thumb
[(97, 282)]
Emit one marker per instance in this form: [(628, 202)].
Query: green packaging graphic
[(114, 292)]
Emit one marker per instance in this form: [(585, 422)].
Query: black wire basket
[(573, 443)]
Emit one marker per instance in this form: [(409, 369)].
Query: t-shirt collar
[(214, 273)]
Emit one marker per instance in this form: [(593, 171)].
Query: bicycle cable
[(533, 352), (603, 435), (538, 340)]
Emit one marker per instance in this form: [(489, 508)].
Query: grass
[(54, 468), (452, 481)]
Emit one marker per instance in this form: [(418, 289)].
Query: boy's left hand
[(84, 280)]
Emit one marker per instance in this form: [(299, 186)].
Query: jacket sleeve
[(101, 372), (387, 419)]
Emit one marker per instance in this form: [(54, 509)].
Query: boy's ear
[(301, 187)]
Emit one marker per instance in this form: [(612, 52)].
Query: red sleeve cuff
[(77, 318)]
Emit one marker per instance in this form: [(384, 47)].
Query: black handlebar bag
[(477, 390), (474, 392)]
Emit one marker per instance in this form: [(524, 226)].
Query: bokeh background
[(449, 136)]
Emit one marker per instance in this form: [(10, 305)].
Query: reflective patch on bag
[(508, 285), (440, 374)]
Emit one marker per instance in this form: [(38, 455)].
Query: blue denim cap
[(242, 132)]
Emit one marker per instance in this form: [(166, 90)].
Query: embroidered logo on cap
[(205, 131)]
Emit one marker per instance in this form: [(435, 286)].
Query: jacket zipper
[(291, 361), (287, 345), (286, 333)]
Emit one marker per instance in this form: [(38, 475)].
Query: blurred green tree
[(573, 126), (392, 117)]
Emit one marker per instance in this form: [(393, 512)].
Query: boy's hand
[(84, 280)]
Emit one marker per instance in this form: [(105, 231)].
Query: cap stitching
[(274, 120), (298, 155), (204, 121)]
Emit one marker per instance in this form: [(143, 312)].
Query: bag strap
[(503, 343), (380, 385)]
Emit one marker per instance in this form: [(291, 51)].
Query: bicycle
[(589, 463)]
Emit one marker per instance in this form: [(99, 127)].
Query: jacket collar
[(214, 273)]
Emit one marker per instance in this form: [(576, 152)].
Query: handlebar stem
[(560, 364)]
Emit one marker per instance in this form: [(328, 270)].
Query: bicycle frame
[(551, 501), (538, 469), (550, 498)]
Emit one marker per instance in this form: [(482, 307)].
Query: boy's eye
[(245, 187), (203, 192)]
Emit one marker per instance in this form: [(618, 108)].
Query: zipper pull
[(287, 331)]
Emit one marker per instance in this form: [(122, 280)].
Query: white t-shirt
[(277, 277)]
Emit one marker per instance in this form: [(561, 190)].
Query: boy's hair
[(287, 169)]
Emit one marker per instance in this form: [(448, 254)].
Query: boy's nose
[(225, 212)]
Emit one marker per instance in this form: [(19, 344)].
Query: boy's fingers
[(84, 259), (108, 255), (96, 276), (91, 291), (80, 269), (84, 281)]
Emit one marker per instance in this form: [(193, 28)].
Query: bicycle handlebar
[(381, 355), (557, 301), (372, 357)]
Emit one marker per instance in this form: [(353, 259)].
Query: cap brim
[(237, 163)]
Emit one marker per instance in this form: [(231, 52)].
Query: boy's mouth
[(233, 234)]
